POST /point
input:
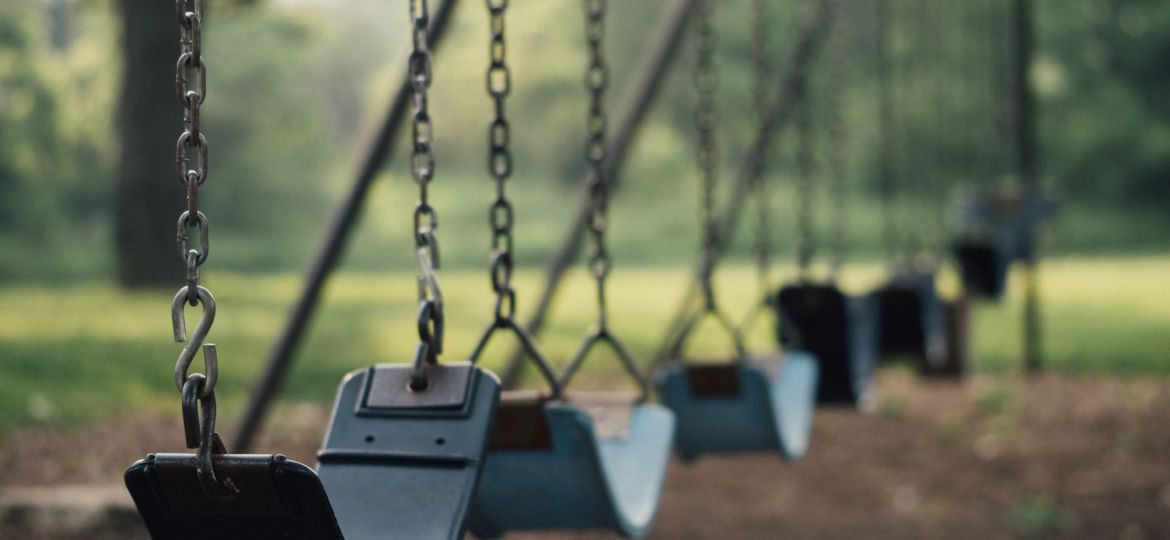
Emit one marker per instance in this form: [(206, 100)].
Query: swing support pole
[(1027, 168)]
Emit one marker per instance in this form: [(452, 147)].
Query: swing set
[(432, 449)]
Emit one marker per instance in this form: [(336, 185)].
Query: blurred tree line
[(88, 116)]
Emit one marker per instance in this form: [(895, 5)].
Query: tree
[(148, 196)]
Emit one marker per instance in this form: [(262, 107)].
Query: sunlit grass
[(73, 354)]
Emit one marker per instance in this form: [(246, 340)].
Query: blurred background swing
[(748, 403), (573, 461), (815, 315), (992, 111)]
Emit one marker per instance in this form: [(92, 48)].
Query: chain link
[(501, 215), (597, 79), (422, 169), (191, 168)]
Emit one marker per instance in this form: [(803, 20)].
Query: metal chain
[(197, 389), (501, 218), (805, 243), (704, 80), (191, 148), (838, 157), (191, 89), (597, 78), (426, 219), (761, 63)]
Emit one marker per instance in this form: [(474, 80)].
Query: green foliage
[(297, 88), (77, 353), (1103, 76)]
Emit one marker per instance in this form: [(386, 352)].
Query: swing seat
[(839, 331), (560, 465), (998, 229), (404, 464), (911, 320), (983, 267), (757, 405), (278, 499)]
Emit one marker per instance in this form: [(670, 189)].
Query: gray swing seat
[(405, 464), (278, 499), (761, 404), (561, 465)]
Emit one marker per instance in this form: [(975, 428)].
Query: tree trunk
[(149, 196)]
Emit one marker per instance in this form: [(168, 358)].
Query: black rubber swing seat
[(983, 266), (753, 405), (912, 320), (278, 499), (594, 462), (998, 229), (839, 331), (405, 464)]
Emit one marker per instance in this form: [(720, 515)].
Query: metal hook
[(187, 355)]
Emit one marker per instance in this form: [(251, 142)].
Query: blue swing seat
[(405, 464), (567, 469), (755, 405)]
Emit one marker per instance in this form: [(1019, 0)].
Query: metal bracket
[(388, 388)]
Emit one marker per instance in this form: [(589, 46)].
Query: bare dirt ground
[(1051, 457)]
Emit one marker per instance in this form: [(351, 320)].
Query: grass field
[(75, 354)]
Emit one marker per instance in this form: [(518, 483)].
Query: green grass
[(74, 354)]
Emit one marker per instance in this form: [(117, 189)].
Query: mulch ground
[(1048, 457)]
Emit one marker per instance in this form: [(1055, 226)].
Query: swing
[(746, 404), (997, 230), (278, 499), (419, 428), (406, 442), (213, 494), (836, 329), (911, 319), (585, 461), (385, 441), (911, 315)]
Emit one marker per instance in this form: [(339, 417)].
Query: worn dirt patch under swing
[(1007, 457)]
